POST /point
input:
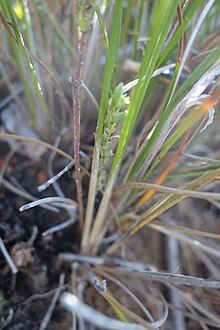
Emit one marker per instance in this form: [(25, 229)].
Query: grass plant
[(154, 146)]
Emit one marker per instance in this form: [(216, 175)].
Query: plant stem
[(76, 87)]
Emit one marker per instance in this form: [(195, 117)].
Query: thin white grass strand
[(104, 261), (58, 227), (52, 156), (57, 201), (156, 73), (172, 278), (7, 257), (91, 96), (44, 324), (72, 304), (55, 177), (26, 195)]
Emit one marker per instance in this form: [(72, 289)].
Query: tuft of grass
[(152, 147)]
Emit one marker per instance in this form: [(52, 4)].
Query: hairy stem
[(76, 87)]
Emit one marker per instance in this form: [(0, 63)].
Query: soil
[(26, 301)]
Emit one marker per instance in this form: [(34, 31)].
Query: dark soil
[(37, 261)]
